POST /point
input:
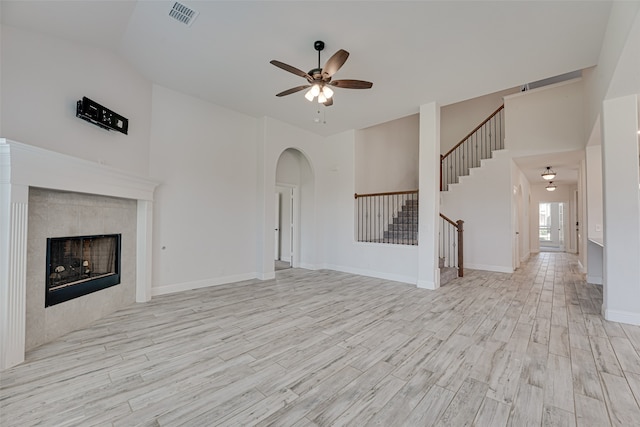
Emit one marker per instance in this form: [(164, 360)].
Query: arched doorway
[(294, 210)]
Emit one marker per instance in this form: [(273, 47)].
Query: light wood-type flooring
[(328, 348)]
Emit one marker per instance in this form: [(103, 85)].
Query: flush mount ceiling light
[(548, 174), (319, 79), (551, 186)]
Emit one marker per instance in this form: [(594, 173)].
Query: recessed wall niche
[(59, 213)]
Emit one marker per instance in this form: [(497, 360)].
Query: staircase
[(447, 274), (404, 226), (478, 145)]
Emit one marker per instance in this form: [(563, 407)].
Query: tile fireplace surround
[(23, 166)]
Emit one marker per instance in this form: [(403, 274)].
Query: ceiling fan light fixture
[(551, 186), (309, 95), (320, 77), (548, 174)]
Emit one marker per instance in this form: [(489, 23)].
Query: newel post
[(460, 248)]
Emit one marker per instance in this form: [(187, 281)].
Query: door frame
[(294, 223)]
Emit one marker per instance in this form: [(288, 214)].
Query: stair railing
[(451, 243), (390, 217), (477, 145)]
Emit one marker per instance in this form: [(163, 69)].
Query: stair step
[(447, 274), (403, 226), (401, 235), (405, 220)]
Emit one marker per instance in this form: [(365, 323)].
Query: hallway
[(324, 347)]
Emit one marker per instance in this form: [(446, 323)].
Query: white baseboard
[(525, 257), (265, 276), (581, 267), (308, 266), (594, 280), (621, 316), (371, 273), (197, 284), (428, 284), (485, 267)]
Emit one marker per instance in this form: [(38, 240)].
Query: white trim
[(308, 266), (270, 275), (485, 267), (621, 316), (198, 284), (426, 284), (38, 167), (371, 273), (594, 280)]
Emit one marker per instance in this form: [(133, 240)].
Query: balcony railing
[(387, 217)]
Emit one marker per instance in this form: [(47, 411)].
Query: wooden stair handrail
[(448, 220), (391, 193), (459, 225), (444, 156)]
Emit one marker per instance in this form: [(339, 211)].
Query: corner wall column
[(429, 197), (14, 200), (144, 250), (621, 275)]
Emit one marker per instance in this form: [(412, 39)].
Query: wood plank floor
[(328, 348)]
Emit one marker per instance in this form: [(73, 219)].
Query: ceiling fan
[(319, 79)]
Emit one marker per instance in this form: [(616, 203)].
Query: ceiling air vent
[(183, 13)]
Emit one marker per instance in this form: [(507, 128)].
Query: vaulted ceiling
[(414, 52)]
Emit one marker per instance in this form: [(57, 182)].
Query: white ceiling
[(565, 165), (414, 52)]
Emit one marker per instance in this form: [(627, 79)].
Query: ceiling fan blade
[(328, 102), (334, 63), (351, 84), (291, 69), (292, 90)]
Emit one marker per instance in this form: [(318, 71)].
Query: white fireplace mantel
[(23, 166)]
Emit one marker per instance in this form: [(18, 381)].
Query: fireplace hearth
[(80, 265)]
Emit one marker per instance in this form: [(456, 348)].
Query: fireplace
[(80, 265), (119, 202)]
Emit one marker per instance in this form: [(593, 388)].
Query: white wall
[(621, 210), (618, 41), (545, 120), (43, 78), (276, 138), (340, 250), (387, 156), (595, 219), (612, 89), (483, 201), (457, 120), (294, 170), (205, 209)]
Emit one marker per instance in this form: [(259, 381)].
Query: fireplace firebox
[(80, 265)]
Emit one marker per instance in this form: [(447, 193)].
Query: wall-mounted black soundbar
[(101, 116)]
